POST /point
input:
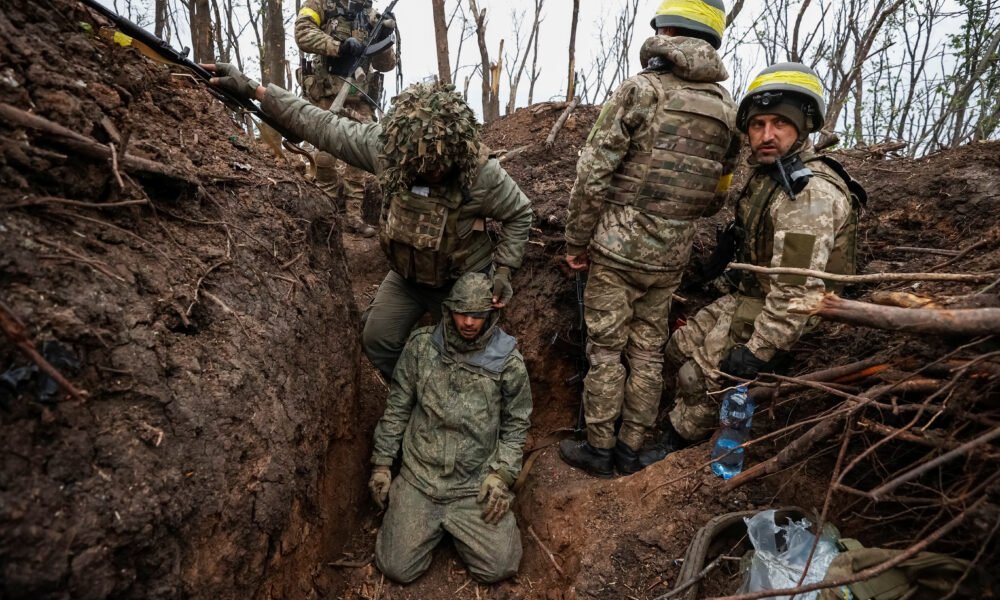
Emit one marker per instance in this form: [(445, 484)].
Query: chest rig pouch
[(426, 238), (342, 20)]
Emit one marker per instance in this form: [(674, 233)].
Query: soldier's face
[(771, 137), (468, 325)]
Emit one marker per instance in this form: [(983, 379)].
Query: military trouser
[(698, 348), (341, 181), (414, 524), (629, 311), (397, 307)]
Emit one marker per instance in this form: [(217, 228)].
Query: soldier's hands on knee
[(379, 484), (502, 290), (497, 497)]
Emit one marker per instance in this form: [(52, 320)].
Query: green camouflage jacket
[(458, 411), (816, 230), (622, 236), (493, 195)]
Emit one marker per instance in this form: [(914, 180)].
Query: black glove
[(230, 79), (350, 48), (741, 362)]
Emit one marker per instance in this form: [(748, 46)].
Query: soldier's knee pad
[(690, 380), (602, 356), (644, 360)]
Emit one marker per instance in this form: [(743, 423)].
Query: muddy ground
[(212, 305)]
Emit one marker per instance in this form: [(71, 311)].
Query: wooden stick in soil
[(961, 321), (867, 278), (545, 549), (43, 200), (870, 572), (693, 581), (17, 333), (561, 121)]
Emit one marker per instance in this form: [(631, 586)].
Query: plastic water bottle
[(735, 417)]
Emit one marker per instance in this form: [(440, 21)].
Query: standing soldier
[(799, 209), (336, 32), (458, 406), (659, 157)]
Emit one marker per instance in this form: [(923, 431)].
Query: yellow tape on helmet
[(789, 78), (308, 12), (696, 10)]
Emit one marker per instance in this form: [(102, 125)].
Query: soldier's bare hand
[(580, 262)]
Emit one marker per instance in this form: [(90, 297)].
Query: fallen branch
[(693, 581), (43, 200), (867, 278), (88, 147), (937, 251), (841, 374), (14, 329), (561, 121), (548, 553), (961, 321)]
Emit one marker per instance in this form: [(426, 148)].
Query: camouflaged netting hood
[(428, 127), (690, 59)]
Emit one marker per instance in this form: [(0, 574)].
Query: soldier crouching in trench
[(459, 406), (440, 185)]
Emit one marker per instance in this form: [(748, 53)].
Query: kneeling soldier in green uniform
[(459, 405)]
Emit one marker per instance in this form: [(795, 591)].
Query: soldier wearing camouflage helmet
[(335, 32), (659, 158), (458, 406), (799, 209), (440, 187)]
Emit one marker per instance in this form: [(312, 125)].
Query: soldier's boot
[(356, 225), (626, 459), (668, 441), (595, 461), (353, 194)]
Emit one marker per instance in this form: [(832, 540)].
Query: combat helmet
[(472, 293), (429, 128), (704, 16), (785, 84)]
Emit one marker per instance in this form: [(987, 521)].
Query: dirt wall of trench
[(209, 309)]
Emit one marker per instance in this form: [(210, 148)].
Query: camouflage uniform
[(320, 28), (460, 410), (659, 158), (431, 234), (816, 230)]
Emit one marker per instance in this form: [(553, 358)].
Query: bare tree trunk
[(441, 41), (491, 101), (571, 80), (200, 20), (159, 17), (232, 38), (272, 63), (515, 75), (222, 49), (535, 71)]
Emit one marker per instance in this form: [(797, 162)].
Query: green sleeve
[(503, 201), (309, 36), (402, 398), (515, 416), (352, 142)]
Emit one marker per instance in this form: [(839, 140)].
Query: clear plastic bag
[(781, 552)]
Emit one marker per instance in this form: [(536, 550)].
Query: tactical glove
[(233, 81), (378, 485), (502, 290), (741, 362), (350, 48), (497, 496)]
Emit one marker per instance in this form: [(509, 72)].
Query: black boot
[(595, 461), (626, 459), (669, 441)]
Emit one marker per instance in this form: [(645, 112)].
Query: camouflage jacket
[(493, 195), (816, 230), (319, 31), (623, 236), (458, 412)]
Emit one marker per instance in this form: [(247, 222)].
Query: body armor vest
[(677, 177), (757, 247), (341, 20), (427, 239)]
